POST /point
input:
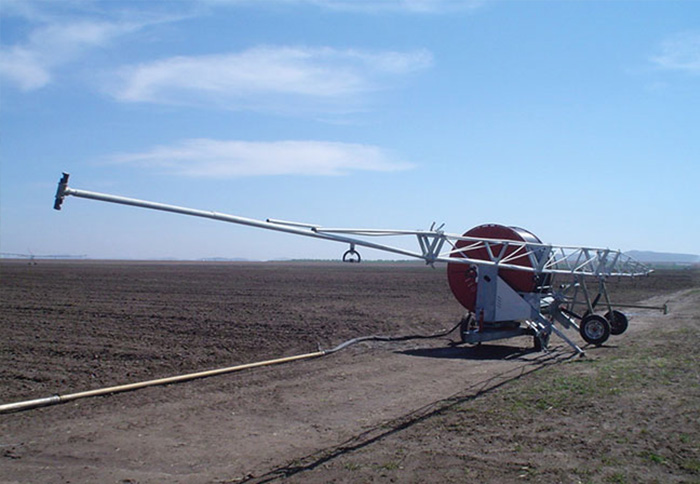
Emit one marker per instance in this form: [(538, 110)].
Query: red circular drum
[(463, 277)]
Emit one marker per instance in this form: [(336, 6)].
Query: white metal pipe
[(64, 191), (333, 235), (292, 224), (231, 219)]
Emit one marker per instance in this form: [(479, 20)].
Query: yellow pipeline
[(56, 399)]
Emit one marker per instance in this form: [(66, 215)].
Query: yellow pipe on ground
[(56, 399)]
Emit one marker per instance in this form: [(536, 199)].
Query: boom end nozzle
[(61, 191)]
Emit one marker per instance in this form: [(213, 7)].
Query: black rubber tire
[(539, 344), (464, 325), (595, 329), (618, 322)]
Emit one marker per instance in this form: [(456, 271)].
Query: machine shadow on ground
[(478, 352)]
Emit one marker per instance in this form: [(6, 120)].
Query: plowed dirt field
[(414, 411)]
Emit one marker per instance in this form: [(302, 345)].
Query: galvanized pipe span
[(544, 258)]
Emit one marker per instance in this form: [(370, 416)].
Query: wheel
[(541, 342), (618, 322), (467, 323), (595, 329)]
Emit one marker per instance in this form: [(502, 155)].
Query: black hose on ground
[(391, 338)]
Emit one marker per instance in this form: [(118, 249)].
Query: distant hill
[(663, 257)]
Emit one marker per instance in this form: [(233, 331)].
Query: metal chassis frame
[(582, 297)]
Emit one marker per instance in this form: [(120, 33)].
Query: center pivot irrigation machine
[(503, 276)]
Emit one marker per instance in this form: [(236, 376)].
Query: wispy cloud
[(49, 36), (410, 6), (230, 159), (62, 33), (30, 65), (370, 6), (680, 52), (267, 77)]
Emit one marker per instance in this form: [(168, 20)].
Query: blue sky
[(578, 120)]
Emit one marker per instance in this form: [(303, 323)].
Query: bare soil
[(415, 411)]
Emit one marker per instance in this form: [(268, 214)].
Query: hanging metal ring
[(351, 255)]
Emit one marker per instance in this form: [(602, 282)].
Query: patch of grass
[(653, 457), (594, 379), (548, 392), (352, 466), (644, 377), (389, 466), (616, 407), (691, 465), (610, 461), (527, 472), (585, 475), (616, 478), (685, 438)]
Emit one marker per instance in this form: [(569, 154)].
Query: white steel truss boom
[(435, 245)]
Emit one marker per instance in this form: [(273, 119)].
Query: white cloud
[(31, 64), (414, 6), (264, 77), (24, 68), (680, 52), (59, 34), (370, 6), (62, 33), (230, 159)]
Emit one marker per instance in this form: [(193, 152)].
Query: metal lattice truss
[(435, 245), (509, 254)]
